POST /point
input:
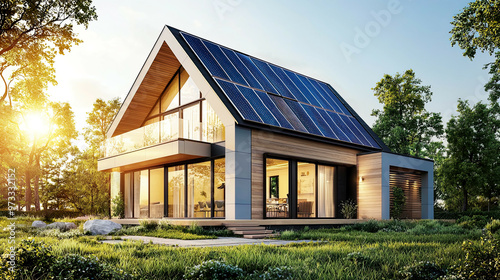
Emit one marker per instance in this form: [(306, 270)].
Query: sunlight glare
[(35, 124)]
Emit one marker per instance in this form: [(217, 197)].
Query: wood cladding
[(370, 186), (159, 74), (268, 142), (411, 183)]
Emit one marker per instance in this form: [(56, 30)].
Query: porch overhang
[(164, 153)]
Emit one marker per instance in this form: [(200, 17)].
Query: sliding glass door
[(176, 191), (326, 191), (299, 189), (277, 186)]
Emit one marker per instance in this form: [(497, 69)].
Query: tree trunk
[(37, 185), (465, 198), (28, 190)]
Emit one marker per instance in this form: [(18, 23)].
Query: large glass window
[(156, 183), (170, 127), (326, 191), (189, 90), (170, 97), (213, 129), (191, 122), (277, 187), (128, 199), (219, 187), (176, 192), (306, 190), (199, 190), (141, 194)]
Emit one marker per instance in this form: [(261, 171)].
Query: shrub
[(79, 267), (349, 209), (59, 234), (32, 260), (369, 226), (357, 257), (195, 229), (214, 270), (149, 225), (422, 271), (398, 201), (289, 235), (482, 260), (474, 222), (493, 228), (164, 225), (118, 206), (283, 272), (435, 227)]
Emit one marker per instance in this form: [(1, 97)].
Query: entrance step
[(245, 228), (249, 230), (259, 236)]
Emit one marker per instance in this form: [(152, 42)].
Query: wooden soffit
[(159, 73)]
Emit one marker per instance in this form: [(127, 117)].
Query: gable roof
[(260, 94)]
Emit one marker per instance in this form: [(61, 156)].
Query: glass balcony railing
[(162, 132)]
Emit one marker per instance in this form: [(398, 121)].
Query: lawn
[(373, 250)]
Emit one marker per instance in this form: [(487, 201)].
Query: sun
[(35, 124)]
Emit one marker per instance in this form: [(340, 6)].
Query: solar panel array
[(265, 93)]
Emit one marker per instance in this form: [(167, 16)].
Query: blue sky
[(349, 44)]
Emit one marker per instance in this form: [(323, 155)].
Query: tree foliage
[(472, 164), (33, 32), (403, 123), (477, 28)]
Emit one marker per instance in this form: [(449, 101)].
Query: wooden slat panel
[(159, 74), (411, 183), (370, 189), (267, 142)]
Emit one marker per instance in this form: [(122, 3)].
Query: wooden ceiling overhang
[(156, 72)]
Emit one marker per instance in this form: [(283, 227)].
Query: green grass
[(346, 253)]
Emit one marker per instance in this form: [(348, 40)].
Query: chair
[(305, 209)]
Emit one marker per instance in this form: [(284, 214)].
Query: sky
[(348, 44)]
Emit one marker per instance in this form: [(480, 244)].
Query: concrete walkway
[(221, 241)]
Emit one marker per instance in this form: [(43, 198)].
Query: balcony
[(162, 132), (170, 140)]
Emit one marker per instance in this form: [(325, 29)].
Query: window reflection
[(277, 186)]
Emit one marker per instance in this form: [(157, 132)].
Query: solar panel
[(288, 113), (228, 67), (251, 80), (330, 95), (306, 120), (273, 78), (319, 121), (256, 73), (206, 58), (274, 109), (261, 109), (365, 133), (266, 93), (336, 129), (305, 95), (239, 101)]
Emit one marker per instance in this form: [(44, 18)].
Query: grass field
[(373, 250)]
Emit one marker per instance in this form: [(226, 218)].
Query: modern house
[(207, 132)]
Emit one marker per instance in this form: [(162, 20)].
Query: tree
[(403, 123), (33, 31), (477, 28), (52, 139), (89, 188), (472, 163), (98, 121)]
